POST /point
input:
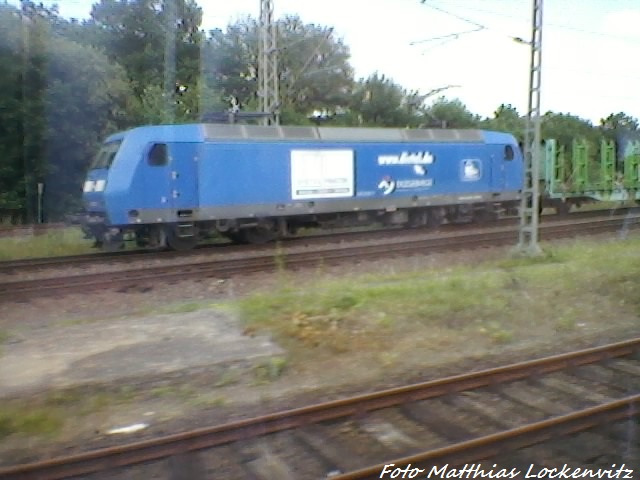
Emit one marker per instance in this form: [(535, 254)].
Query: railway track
[(26, 265), (142, 279), (508, 416), (130, 256)]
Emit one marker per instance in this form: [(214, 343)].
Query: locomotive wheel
[(112, 243), (142, 241), (418, 219), (257, 235), (235, 237), (181, 244), (436, 217), (485, 215)]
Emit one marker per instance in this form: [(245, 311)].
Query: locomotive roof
[(218, 132), (337, 134)]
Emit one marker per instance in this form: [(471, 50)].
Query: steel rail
[(10, 266), (125, 280), (163, 447), (510, 440)]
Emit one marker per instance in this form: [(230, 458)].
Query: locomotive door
[(183, 182), (498, 173), (511, 161)]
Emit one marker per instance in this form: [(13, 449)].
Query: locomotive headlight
[(100, 184), (88, 186)]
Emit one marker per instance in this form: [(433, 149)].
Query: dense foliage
[(65, 85), (60, 99)]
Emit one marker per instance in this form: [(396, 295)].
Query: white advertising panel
[(321, 174)]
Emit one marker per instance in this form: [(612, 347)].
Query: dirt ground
[(78, 415)]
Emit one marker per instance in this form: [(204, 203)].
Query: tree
[(60, 99), (314, 72), (230, 64), (617, 125), (11, 115), (381, 102), (85, 99), (506, 119), (445, 113), (619, 121), (565, 128), (151, 107), (137, 33), (22, 81)]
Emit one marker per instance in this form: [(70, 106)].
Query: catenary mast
[(268, 88), (529, 210)]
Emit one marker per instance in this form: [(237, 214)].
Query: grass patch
[(174, 391), (177, 308), (28, 421), (4, 338), (65, 241), (187, 307), (549, 255), (339, 315), (209, 401), (270, 369), (71, 322), (228, 377), (44, 416), (47, 414), (569, 287)]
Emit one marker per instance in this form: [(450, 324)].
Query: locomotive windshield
[(105, 156)]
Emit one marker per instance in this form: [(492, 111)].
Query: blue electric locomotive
[(171, 185)]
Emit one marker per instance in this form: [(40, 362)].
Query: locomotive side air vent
[(299, 133), (221, 132), (423, 135), (261, 132), (455, 135), (442, 135), (350, 134)]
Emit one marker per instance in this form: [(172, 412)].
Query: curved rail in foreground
[(163, 447), (510, 440)]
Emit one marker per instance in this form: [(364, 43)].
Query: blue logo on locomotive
[(387, 185), (470, 170), (417, 162)]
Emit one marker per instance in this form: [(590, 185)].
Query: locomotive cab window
[(508, 152), (106, 155), (158, 155)]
